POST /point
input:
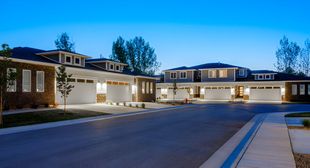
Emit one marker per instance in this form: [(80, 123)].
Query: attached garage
[(181, 93), (84, 92), (217, 93), (265, 94), (118, 91)]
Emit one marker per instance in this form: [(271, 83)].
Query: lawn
[(306, 114), (14, 120)]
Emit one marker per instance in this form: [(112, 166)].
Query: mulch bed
[(302, 160)]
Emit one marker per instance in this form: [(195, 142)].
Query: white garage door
[(180, 94), (84, 92), (217, 94), (265, 94), (118, 93)]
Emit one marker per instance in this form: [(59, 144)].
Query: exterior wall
[(298, 97), (189, 77), (146, 97), (230, 76), (21, 99), (54, 57)]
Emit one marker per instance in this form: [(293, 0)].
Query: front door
[(240, 91)]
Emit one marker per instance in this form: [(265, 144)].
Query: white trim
[(185, 77), (23, 81), (62, 52), (176, 75), (210, 73), (66, 62), (80, 61), (223, 70), (37, 81), (243, 74)]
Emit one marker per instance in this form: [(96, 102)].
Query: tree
[(63, 84), (139, 55), (63, 43), (174, 88), (7, 75), (119, 51), (287, 56), (305, 59)]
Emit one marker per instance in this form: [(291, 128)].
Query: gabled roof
[(263, 72), (98, 60), (62, 51), (179, 68)]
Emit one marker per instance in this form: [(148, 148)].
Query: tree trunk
[(1, 117)]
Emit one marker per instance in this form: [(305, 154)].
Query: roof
[(279, 76), (263, 72), (31, 54), (178, 68), (98, 60), (214, 65), (59, 50)]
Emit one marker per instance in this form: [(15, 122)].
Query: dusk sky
[(187, 33)]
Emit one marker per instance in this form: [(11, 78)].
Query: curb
[(19, 129), (231, 152)]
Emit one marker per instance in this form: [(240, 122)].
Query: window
[(80, 80), (302, 89), (11, 84), (117, 67), (111, 66), (71, 79), (151, 87), (267, 77), (68, 59), (78, 60), (90, 81), (223, 73), (212, 73), (40, 81), (147, 87), (183, 75), (294, 89), (26, 80), (143, 87), (173, 75), (241, 72), (260, 77)]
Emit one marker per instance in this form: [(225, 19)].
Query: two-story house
[(94, 80), (224, 82)]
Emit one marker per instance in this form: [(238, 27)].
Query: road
[(183, 137)]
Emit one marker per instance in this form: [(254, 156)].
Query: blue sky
[(188, 33)]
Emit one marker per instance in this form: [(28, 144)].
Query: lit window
[(212, 73), (302, 89), (183, 75), (294, 89), (40, 81), (173, 75), (241, 72), (151, 87), (147, 87), (11, 84), (223, 73), (26, 81), (143, 87)]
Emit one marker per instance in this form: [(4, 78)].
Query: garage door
[(265, 94), (118, 92), (84, 92), (180, 94), (217, 94)]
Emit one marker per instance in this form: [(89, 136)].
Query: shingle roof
[(262, 71), (213, 65), (99, 59), (178, 68), (279, 76)]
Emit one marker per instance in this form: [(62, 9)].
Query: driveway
[(183, 137)]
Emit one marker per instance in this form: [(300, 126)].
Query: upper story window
[(112, 66), (264, 77), (68, 59), (241, 72), (223, 73), (183, 75), (212, 73), (77, 61), (173, 75), (117, 67), (260, 77)]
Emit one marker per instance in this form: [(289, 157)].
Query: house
[(95, 80), (224, 82)]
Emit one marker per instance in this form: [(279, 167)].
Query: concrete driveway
[(183, 137)]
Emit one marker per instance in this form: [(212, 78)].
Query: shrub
[(117, 103), (137, 105), (130, 105), (34, 106), (46, 105), (306, 123), (143, 105), (19, 106), (124, 103)]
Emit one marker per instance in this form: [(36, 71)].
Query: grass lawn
[(14, 120), (307, 114)]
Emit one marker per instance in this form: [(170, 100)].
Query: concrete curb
[(231, 152), (19, 129)]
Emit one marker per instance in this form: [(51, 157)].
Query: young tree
[(174, 88), (63, 43), (119, 51), (7, 75), (305, 59), (287, 56), (63, 84)]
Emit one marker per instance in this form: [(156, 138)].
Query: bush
[(34, 106), (137, 105), (117, 103), (143, 105), (19, 106), (130, 105), (306, 123), (46, 105), (124, 103)]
